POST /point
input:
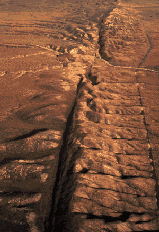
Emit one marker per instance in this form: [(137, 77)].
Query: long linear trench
[(107, 178)]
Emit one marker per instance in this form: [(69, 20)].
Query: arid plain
[(79, 96)]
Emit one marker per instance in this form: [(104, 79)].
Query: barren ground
[(79, 139)]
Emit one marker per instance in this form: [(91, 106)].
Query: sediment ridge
[(79, 141)]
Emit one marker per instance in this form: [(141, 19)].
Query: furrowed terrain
[(79, 89)]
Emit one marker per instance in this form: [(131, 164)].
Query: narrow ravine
[(106, 177), (148, 52), (79, 120)]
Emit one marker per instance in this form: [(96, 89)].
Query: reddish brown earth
[(79, 116)]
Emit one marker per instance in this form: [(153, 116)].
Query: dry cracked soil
[(79, 124)]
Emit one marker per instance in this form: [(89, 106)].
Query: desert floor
[(79, 106)]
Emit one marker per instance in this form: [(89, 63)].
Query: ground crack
[(34, 132), (123, 217)]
